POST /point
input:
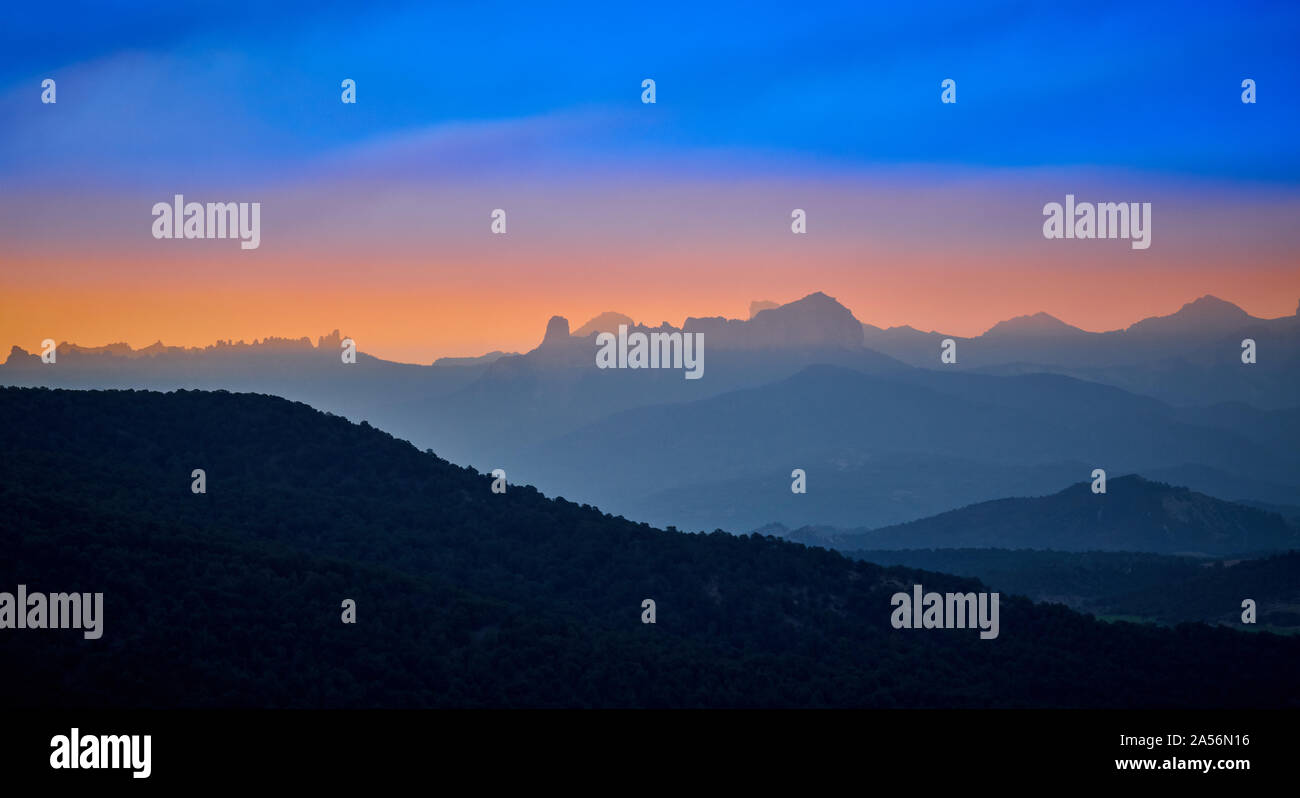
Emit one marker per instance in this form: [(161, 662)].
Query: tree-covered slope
[(470, 598)]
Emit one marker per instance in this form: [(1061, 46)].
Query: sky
[(376, 215)]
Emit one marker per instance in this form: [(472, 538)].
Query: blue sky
[(237, 87)]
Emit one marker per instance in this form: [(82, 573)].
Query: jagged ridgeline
[(465, 597)]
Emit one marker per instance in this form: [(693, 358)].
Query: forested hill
[(469, 598), (1134, 514)]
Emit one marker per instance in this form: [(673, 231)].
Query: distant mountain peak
[(1210, 305), (557, 331), (760, 305), (815, 320), (1038, 323), (1139, 514), (17, 355), (814, 305), (817, 299), (1207, 313), (605, 322)]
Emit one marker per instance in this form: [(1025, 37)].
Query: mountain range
[(883, 430), (1190, 357), (467, 597)]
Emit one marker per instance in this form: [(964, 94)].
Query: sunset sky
[(375, 216)]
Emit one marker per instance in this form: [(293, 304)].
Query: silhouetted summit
[(815, 322), (608, 321), (557, 331), (1203, 315), (1134, 514), (1037, 324)]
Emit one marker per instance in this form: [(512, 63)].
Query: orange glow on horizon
[(412, 273), (434, 317)]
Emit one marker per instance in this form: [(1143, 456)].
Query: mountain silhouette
[(1207, 314), (886, 447), (1192, 356), (465, 597), (1037, 324), (1134, 514), (606, 322), (557, 331), (1221, 427), (816, 321)]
